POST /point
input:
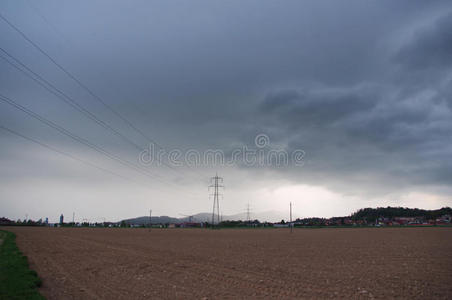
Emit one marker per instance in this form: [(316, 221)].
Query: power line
[(67, 99), (44, 18), (67, 154), (80, 139), (64, 97), (60, 129), (86, 88)]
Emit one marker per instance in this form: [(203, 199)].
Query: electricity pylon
[(216, 185), (248, 213)]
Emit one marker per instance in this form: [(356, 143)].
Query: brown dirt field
[(262, 263)]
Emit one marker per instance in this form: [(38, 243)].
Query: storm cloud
[(363, 88)]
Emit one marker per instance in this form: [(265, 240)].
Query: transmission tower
[(291, 224), (248, 213), (216, 185), (150, 219)]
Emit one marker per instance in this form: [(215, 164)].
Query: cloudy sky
[(363, 89)]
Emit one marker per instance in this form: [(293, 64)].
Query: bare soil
[(84, 263)]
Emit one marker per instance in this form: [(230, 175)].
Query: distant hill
[(391, 212), (267, 216), (270, 216), (201, 217), (155, 220)]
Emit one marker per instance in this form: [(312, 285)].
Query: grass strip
[(17, 281)]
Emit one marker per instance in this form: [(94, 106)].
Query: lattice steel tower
[(248, 213), (216, 184)]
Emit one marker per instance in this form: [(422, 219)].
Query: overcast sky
[(363, 89)]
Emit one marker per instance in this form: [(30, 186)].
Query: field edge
[(17, 280)]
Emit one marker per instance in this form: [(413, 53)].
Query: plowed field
[(83, 263)]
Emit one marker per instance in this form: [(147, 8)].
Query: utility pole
[(150, 219), (291, 225), (248, 218), (216, 201), (73, 218)]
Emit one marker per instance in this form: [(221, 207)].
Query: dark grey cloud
[(363, 87), (318, 108), (394, 132), (429, 48)]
